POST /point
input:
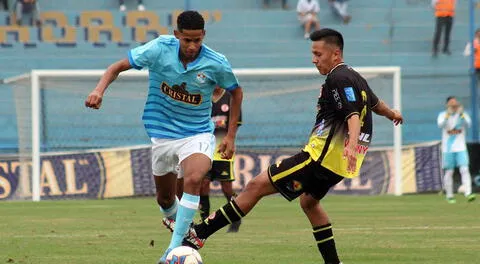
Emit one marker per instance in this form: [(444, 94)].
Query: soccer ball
[(183, 255)]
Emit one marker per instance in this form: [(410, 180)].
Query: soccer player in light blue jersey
[(183, 73), (454, 122)]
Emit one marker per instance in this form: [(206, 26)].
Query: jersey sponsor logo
[(201, 78), (337, 99), (361, 149), (224, 173), (350, 94), (180, 93), (365, 137)]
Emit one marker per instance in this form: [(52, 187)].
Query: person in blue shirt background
[(183, 72)]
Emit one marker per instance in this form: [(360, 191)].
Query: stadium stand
[(91, 34)]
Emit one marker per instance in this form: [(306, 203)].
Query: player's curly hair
[(190, 20), (328, 35)]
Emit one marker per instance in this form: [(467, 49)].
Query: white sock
[(448, 183), (466, 180)]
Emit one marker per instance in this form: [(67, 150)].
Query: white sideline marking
[(407, 228)]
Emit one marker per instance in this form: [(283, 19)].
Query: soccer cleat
[(163, 258), (451, 200), (191, 239), (141, 8), (169, 224), (233, 228), (123, 8), (471, 197)]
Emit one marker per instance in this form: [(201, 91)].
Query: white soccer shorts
[(167, 154)]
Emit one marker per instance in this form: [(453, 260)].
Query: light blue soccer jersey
[(179, 100)]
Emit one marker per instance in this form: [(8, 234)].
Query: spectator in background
[(140, 6), (444, 13), (453, 122), (266, 4), (29, 7), (307, 14), (476, 49), (5, 4), (340, 8)]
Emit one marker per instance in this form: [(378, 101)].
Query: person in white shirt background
[(454, 122), (307, 15)]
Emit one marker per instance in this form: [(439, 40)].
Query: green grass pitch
[(377, 229)]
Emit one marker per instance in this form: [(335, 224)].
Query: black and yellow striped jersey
[(344, 93)]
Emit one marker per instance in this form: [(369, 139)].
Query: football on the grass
[(183, 255)]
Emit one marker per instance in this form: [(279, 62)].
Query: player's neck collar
[(336, 66)]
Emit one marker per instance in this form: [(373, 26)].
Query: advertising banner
[(127, 172)]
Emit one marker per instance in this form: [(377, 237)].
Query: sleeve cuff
[(132, 62), (232, 87), (351, 114)]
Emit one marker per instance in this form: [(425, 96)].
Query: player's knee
[(308, 203), (193, 179), (255, 187)]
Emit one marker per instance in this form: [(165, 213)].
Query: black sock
[(228, 214), (204, 206), (326, 244)]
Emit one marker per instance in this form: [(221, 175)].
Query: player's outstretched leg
[(194, 167), (233, 211), (227, 190), (322, 229)]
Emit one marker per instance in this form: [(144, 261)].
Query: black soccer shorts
[(221, 170), (301, 174)]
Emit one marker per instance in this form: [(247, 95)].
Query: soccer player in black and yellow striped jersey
[(336, 149)]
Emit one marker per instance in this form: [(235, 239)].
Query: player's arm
[(350, 151), (442, 119), (233, 120), (345, 100), (466, 117), (226, 79), (138, 58), (94, 99), (382, 109)]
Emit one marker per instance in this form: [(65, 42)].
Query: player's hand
[(396, 117), (460, 110), (94, 100), (450, 110), (227, 147), (350, 153)]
